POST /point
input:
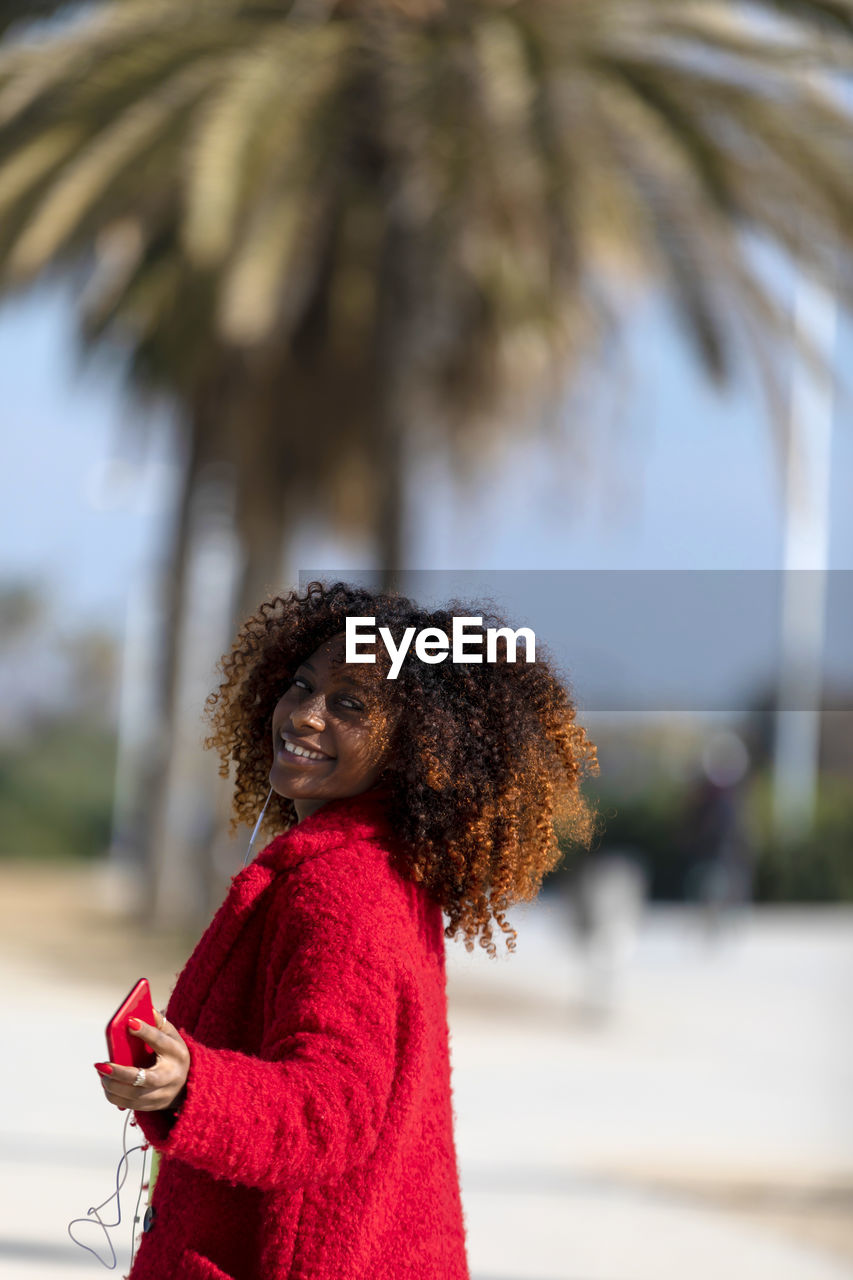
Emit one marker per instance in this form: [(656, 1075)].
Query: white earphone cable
[(94, 1214), (257, 826)]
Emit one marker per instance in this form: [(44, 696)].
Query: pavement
[(678, 1108)]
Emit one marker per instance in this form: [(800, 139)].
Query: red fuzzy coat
[(315, 1141)]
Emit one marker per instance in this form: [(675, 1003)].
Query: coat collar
[(363, 818)]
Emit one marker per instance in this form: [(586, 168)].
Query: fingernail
[(134, 1024), (104, 1068)]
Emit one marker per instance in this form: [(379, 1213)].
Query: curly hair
[(483, 766)]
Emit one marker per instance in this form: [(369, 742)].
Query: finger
[(127, 1075), (142, 1100), (167, 1027), (122, 1096), (145, 1097), (161, 1020), (158, 1040), (128, 1095), (126, 1091)]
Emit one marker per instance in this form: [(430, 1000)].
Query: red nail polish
[(134, 1024), (104, 1068)]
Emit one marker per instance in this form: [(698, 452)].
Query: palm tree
[(323, 226)]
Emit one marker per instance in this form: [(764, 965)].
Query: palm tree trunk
[(395, 352), (262, 529), (391, 508), (155, 782), (262, 525)]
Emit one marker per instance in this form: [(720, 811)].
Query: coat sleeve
[(310, 1106)]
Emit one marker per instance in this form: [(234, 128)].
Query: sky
[(660, 472)]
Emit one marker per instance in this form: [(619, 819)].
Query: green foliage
[(647, 825), (818, 868), (56, 792)]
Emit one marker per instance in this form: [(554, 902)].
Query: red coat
[(315, 1141)]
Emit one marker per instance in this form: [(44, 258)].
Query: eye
[(350, 703), (300, 682)]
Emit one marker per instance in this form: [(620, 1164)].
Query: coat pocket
[(194, 1266)]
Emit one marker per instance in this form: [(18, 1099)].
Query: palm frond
[(833, 16), (299, 162), (83, 180), (254, 124)]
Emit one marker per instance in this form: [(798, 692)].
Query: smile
[(302, 753)]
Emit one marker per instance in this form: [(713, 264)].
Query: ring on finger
[(140, 1078)]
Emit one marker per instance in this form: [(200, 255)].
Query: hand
[(163, 1081)]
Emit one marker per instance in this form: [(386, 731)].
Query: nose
[(309, 714)]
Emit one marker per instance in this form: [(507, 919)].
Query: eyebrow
[(350, 686), (346, 682)]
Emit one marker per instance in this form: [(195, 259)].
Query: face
[(331, 729)]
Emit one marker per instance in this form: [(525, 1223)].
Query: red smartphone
[(124, 1049)]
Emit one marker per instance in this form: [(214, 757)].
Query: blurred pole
[(181, 892), (806, 558), (135, 730), (123, 882)]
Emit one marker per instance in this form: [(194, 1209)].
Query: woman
[(301, 1098)]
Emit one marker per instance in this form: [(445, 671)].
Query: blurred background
[(541, 302)]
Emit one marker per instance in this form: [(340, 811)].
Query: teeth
[(301, 751)]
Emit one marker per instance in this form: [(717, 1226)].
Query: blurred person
[(715, 841), (607, 897), (301, 1102)]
